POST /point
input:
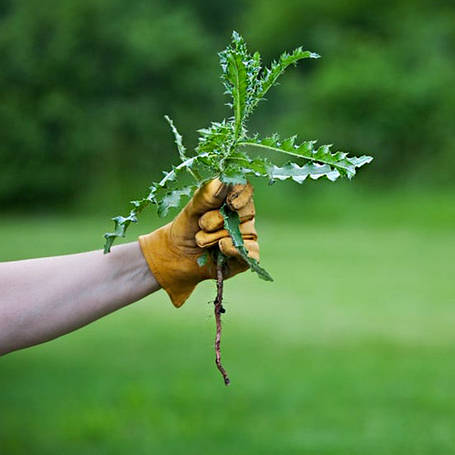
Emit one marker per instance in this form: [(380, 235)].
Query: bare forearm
[(41, 299)]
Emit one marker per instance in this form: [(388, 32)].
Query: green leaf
[(235, 78), (178, 139), (239, 162), (157, 192), (120, 225), (338, 161), (300, 173), (221, 149), (109, 240), (173, 199), (359, 161), (232, 225), (233, 175), (203, 259), (181, 148), (214, 141), (277, 69)]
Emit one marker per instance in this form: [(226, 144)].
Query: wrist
[(131, 269)]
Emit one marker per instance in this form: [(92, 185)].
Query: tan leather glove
[(172, 251)]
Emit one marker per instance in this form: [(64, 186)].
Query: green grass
[(350, 351)]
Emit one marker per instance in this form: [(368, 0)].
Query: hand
[(172, 251)]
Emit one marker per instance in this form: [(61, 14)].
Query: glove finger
[(208, 197), (213, 220), (228, 249), (206, 239), (239, 196)]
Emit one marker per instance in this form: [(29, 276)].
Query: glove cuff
[(167, 267)]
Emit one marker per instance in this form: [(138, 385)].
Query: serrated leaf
[(120, 225), (339, 161), (215, 141), (232, 225), (300, 173), (154, 196), (178, 139), (277, 69), (260, 167), (359, 161), (181, 148), (173, 199), (218, 151), (235, 78), (245, 165), (233, 175)]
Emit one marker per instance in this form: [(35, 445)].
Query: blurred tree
[(383, 84), (85, 85)]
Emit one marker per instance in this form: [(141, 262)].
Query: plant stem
[(218, 302)]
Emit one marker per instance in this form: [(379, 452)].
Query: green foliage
[(219, 153), (277, 69), (173, 199), (232, 224), (178, 139), (159, 194), (235, 78), (203, 259), (82, 82), (85, 83), (385, 82), (321, 160)]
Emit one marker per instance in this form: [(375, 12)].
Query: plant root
[(218, 302)]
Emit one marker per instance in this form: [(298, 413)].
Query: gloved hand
[(172, 251)]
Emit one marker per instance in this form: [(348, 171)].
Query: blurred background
[(351, 349)]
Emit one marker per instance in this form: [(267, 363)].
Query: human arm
[(41, 299), (44, 298)]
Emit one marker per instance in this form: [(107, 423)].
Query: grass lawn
[(350, 351)]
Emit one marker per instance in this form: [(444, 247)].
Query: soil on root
[(219, 310)]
